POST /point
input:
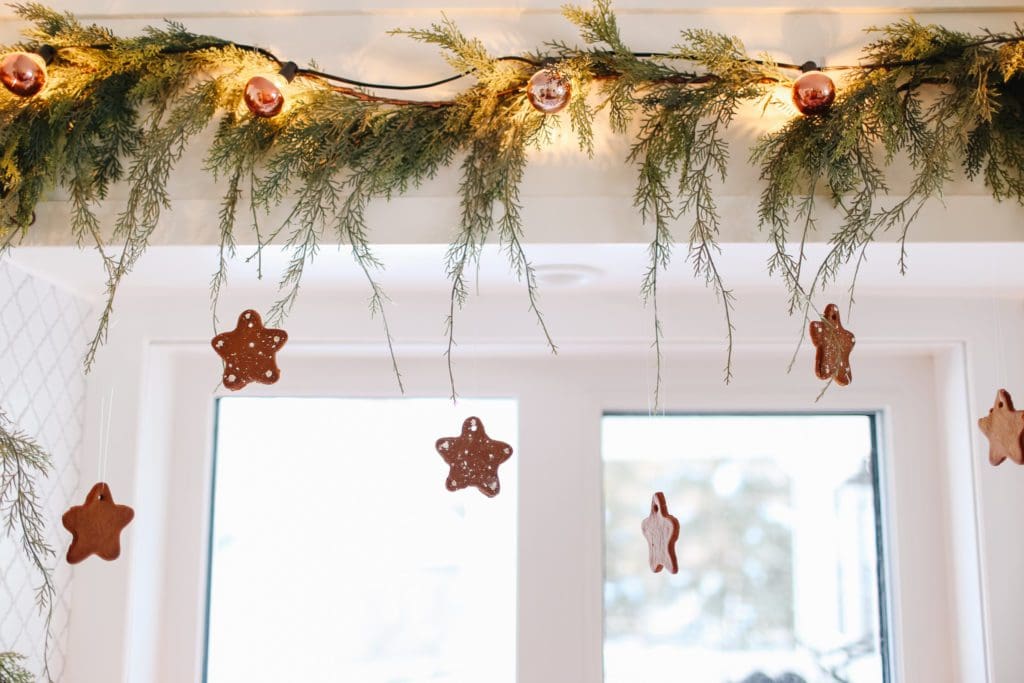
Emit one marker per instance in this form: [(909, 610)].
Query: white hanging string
[(1001, 373), (645, 359), (106, 411)]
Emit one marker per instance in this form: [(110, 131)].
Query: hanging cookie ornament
[(814, 92), (1004, 429), (96, 525), (549, 91), (834, 344), (473, 458), (249, 352), (661, 531)]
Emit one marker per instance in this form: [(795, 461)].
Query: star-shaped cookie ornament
[(96, 526), (1004, 428), (834, 343), (473, 458), (249, 352), (661, 531)]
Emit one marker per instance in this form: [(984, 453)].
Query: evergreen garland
[(125, 110)]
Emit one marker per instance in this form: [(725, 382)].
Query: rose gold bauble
[(548, 91), (263, 98), (813, 93), (23, 74)]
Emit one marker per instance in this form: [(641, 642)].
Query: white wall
[(42, 389)]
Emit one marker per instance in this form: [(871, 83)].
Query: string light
[(814, 92), (263, 94), (24, 73), (549, 91)]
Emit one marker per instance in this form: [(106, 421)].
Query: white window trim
[(923, 370)]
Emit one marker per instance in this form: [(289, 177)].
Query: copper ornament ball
[(548, 91), (814, 93), (263, 98), (23, 74)]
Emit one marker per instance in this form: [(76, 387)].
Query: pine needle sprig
[(124, 109), (934, 97), (11, 670), (23, 517), (161, 147), (238, 147)]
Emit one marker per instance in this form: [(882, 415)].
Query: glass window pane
[(778, 549), (337, 553)]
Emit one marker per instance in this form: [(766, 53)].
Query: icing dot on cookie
[(231, 378), (276, 339), (270, 373), (252, 345)]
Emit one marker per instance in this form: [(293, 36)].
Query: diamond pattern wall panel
[(42, 389)]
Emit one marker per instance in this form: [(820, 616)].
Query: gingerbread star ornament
[(96, 526), (661, 531), (473, 458), (1004, 428), (834, 344), (249, 352)]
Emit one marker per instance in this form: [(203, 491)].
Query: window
[(338, 554), (778, 549)]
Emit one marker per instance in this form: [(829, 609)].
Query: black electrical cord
[(806, 66)]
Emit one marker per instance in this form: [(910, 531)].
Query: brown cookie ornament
[(96, 526), (834, 344), (249, 352), (1004, 428), (661, 531), (473, 458)]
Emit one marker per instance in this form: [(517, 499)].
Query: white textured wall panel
[(42, 389)]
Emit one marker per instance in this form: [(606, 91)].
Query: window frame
[(560, 542), (137, 619), (881, 571)]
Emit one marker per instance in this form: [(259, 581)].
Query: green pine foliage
[(23, 518), (941, 100), (125, 110), (11, 670)]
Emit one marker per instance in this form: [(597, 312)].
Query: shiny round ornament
[(814, 93), (22, 73), (548, 91), (263, 97)]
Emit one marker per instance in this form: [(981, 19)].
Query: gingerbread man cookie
[(473, 458), (96, 526), (1004, 428), (834, 343), (661, 531), (249, 352)]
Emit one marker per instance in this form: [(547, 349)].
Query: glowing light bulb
[(24, 73), (814, 92), (263, 94), (549, 91)]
